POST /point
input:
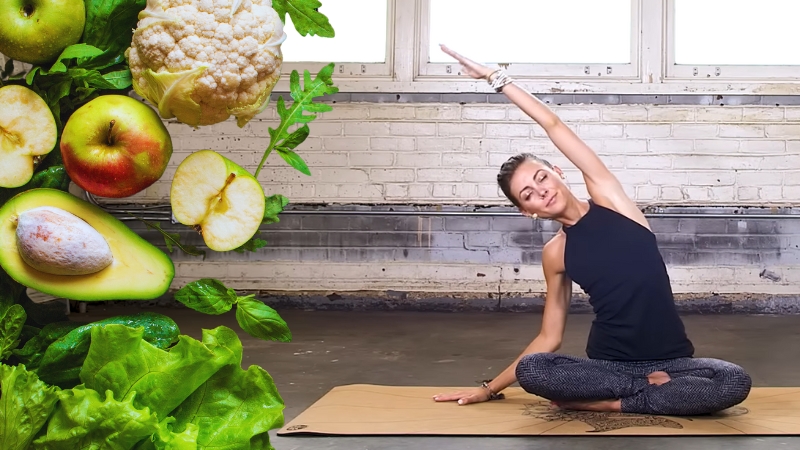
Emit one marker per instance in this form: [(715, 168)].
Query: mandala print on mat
[(600, 421)]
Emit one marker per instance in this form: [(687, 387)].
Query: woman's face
[(539, 190)]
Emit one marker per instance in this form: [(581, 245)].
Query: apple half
[(27, 133), (217, 197)]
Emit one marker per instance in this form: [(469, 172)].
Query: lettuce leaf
[(120, 360), (233, 407), (32, 352), (25, 405), (166, 439), (84, 420), (12, 320)]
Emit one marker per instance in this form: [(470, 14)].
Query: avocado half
[(139, 270)]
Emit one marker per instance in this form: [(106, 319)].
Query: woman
[(639, 357)]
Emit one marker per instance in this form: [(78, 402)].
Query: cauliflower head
[(201, 61)]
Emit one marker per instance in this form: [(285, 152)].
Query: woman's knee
[(532, 369), (736, 383)]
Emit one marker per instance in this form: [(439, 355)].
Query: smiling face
[(539, 189)]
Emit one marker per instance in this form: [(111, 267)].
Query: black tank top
[(616, 262)]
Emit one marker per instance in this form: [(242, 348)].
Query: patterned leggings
[(697, 386)]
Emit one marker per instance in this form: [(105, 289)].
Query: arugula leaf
[(25, 405), (171, 239), (12, 319), (232, 407), (252, 245), (121, 361), (275, 205), (84, 420), (294, 160), (305, 16), (303, 102), (208, 296), (261, 321)]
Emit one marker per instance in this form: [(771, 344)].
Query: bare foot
[(599, 405), (658, 378)]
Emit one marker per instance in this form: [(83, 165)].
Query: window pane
[(360, 27), (532, 31), (740, 32)]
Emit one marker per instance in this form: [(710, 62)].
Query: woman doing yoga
[(640, 359)]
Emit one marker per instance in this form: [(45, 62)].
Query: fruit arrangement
[(134, 381)]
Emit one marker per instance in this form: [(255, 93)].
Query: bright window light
[(360, 27), (737, 32), (533, 31)]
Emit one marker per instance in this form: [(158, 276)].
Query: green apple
[(37, 31), (115, 146), (27, 133), (220, 199)]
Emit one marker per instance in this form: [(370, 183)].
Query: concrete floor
[(408, 348)]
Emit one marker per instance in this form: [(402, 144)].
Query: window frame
[(721, 72), (406, 69), (562, 71)]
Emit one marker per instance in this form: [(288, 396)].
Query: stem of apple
[(110, 128)]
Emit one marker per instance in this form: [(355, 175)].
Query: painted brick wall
[(448, 153)]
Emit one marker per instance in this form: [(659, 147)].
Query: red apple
[(115, 146)]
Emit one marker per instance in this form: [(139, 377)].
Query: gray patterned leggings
[(698, 385)]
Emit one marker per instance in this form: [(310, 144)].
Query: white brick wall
[(450, 153)]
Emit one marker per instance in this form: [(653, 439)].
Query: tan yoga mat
[(363, 409)]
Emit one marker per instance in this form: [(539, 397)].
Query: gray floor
[(407, 348)]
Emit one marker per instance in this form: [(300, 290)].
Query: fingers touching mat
[(394, 410)]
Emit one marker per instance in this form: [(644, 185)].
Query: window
[(361, 46), (733, 38), (536, 37)]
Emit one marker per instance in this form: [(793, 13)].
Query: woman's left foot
[(598, 406)]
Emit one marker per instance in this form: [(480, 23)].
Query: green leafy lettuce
[(12, 319), (25, 405), (121, 361), (83, 420), (63, 359)]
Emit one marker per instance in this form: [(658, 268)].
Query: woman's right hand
[(464, 397), (471, 68)]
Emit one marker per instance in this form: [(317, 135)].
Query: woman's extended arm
[(602, 185)]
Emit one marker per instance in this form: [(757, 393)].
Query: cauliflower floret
[(201, 61)]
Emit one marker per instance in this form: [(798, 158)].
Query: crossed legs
[(682, 386)]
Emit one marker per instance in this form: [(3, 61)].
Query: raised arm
[(602, 185)]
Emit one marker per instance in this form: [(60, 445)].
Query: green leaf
[(32, 352), (74, 51), (54, 177), (303, 101), (109, 27), (120, 79), (252, 245), (171, 239), (275, 205), (208, 296), (12, 319), (233, 407), (84, 420), (305, 16), (120, 360), (294, 160), (261, 321), (25, 404), (167, 439), (62, 360)]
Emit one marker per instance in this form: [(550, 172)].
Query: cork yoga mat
[(370, 410)]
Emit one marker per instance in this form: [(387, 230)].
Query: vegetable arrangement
[(134, 381)]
